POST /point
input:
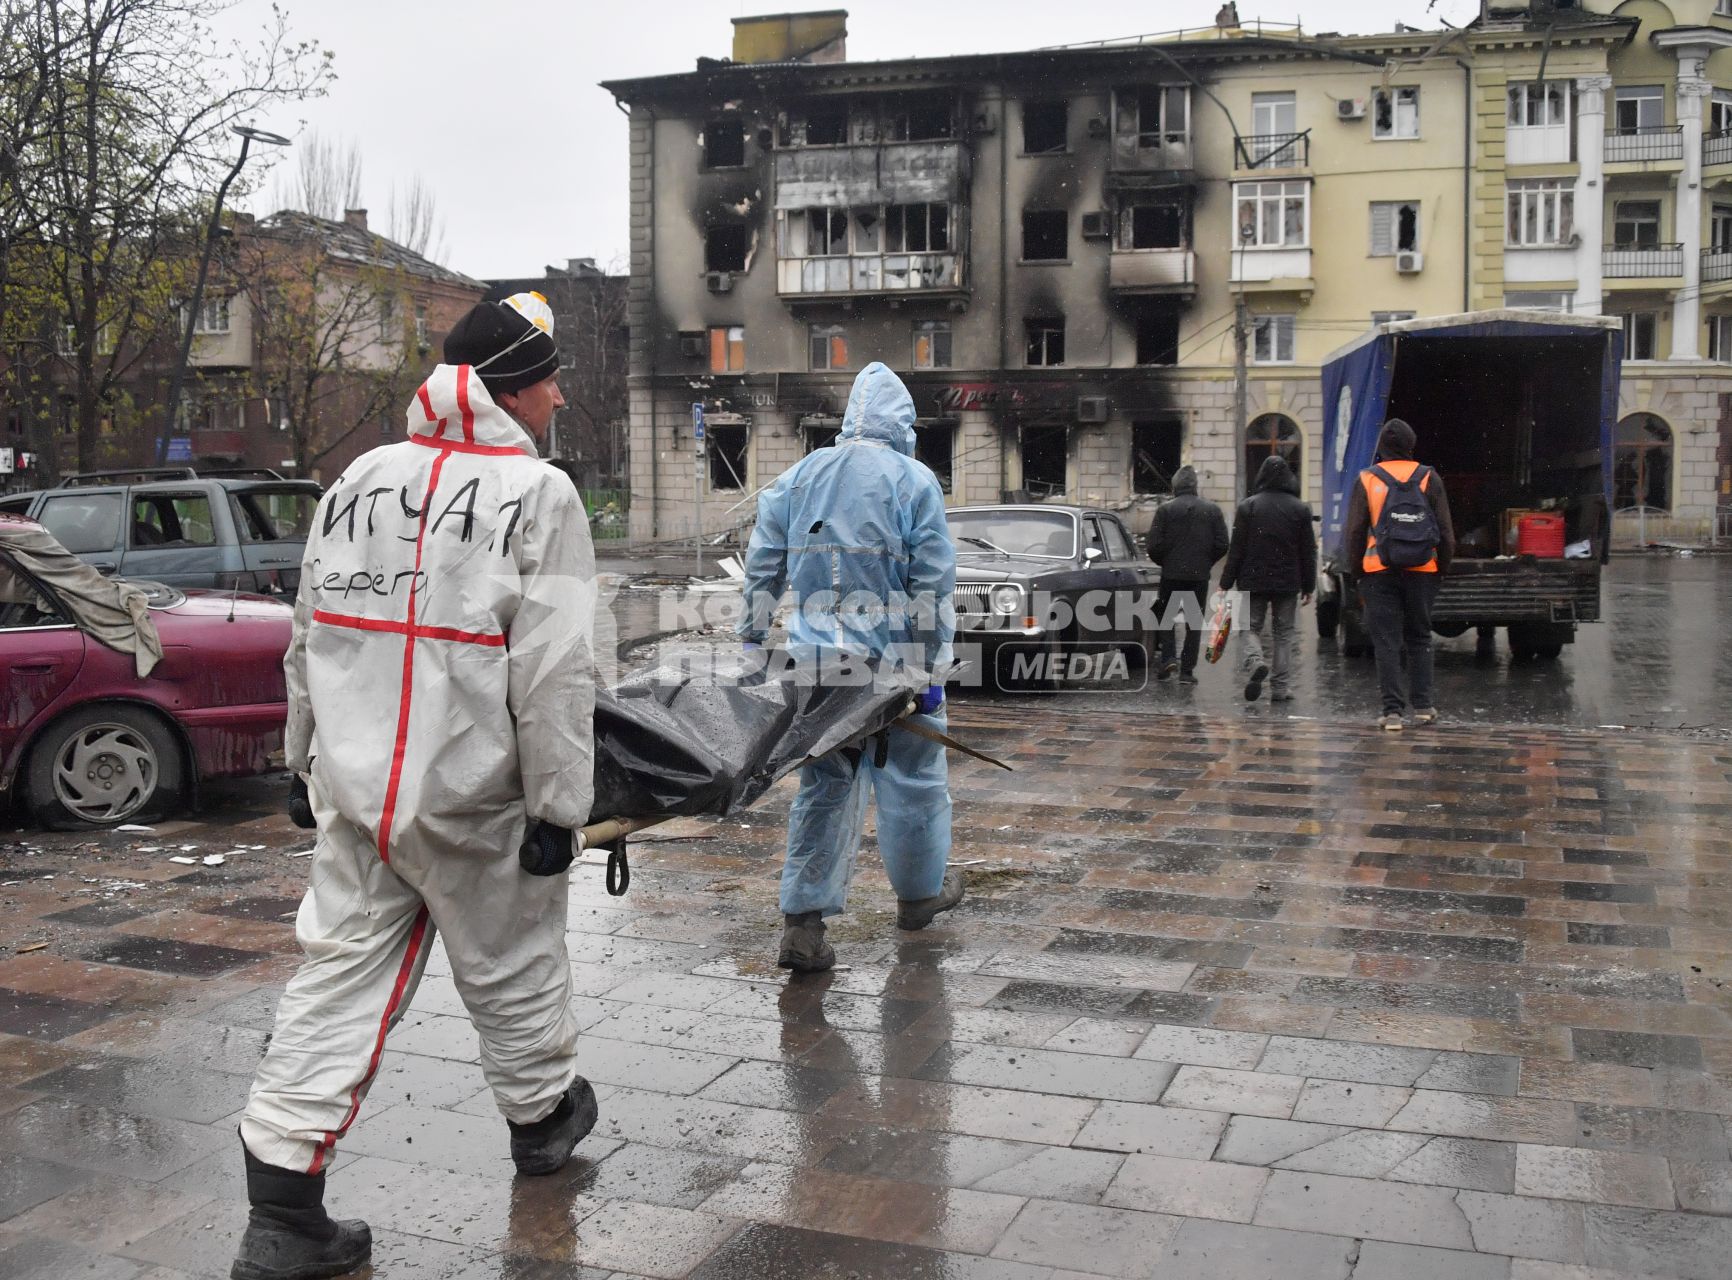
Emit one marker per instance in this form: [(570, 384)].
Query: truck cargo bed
[(1500, 592)]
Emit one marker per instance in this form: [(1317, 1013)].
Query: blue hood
[(880, 410)]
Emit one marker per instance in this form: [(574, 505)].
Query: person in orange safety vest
[(1400, 542)]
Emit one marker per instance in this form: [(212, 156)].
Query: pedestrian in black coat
[(1188, 537), (1274, 558)]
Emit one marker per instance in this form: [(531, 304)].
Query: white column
[(1687, 307), (1591, 192)]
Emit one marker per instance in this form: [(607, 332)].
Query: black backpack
[(1406, 529)]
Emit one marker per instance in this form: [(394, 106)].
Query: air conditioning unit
[(1097, 225), (1097, 126), (1350, 109), (1409, 262), (719, 281), (1093, 410), (692, 346)]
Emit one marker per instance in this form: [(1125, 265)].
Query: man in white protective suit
[(441, 693)]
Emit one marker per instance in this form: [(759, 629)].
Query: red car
[(86, 740)]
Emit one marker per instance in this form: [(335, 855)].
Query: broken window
[(1045, 451), (725, 143), (868, 224), (826, 233), (1155, 454), (1394, 227), (1395, 113), (917, 228), (1046, 341), (726, 446), (1152, 226), (932, 344), (919, 120), (1157, 336), (822, 125), (1044, 235), (935, 445), (828, 346), (1272, 339), (1159, 116), (1273, 215), (1045, 127), (727, 349), (1636, 224), (820, 435), (1640, 331), (725, 247)]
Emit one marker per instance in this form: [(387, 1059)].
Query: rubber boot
[(803, 947), (289, 1235), (543, 1146), (919, 913)]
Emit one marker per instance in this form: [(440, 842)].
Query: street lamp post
[(177, 380)]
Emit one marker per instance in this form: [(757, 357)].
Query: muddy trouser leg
[(366, 934), (504, 934), (1385, 619), (1283, 613), (913, 794), (824, 834)]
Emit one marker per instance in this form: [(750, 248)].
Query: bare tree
[(413, 220), (137, 100), (326, 181), (594, 384), (334, 338)]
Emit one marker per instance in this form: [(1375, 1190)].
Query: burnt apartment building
[(1047, 246)]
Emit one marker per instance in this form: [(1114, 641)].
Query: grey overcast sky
[(495, 104)]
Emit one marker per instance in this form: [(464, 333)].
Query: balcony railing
[(1152, 270), (1656, 142), (1627, 262), (1716, 265), (870, 273), (1717, 148), (1273, 150)]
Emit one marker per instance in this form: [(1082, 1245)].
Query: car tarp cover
[(115, 613), (671, 741), (1357, 383)]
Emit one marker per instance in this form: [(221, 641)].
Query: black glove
[(546, 849), (300, 806)]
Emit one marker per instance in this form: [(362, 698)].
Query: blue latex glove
[(750, 646), (930, 699)]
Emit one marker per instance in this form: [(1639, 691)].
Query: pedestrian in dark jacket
[(1273, 557), (1398, 601), (1188, 537)]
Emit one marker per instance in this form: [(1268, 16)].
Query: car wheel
[(1328, 617), (103, 765)]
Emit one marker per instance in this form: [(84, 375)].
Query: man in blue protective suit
[(857, 533)]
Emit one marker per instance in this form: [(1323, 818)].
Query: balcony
[(870, 273), (1261, 151), (1272, 270), (872, 173), (1657, 142), (1152, 271), (1648, 262), (1717, 148), (1716, 265)]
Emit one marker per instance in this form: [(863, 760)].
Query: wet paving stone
[(23, 1013), (168, 955), (97, 914), (1636, 1049), (1453, 1014)]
